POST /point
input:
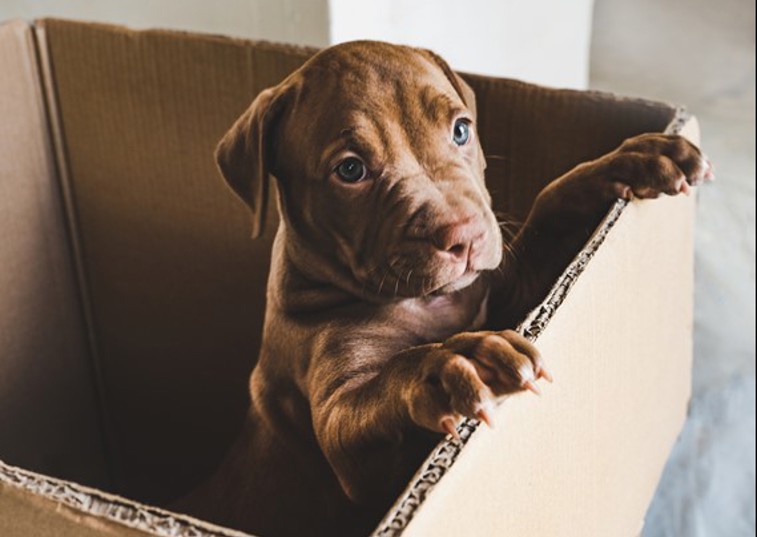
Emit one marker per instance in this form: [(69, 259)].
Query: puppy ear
[(244, 158), (461, 86)]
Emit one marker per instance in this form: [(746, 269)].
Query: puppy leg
[(464, 376), (363, 426), (568, 210)]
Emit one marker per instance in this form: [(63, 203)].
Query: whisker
[(381, 285), (508, 226), (510, 251), (367, 280)]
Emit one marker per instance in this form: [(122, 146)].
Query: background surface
[(695, 52), (701, 54), (498, 37)]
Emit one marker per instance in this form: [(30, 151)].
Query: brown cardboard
[(37, 505), (44, 359), (533, 134), (168, 290), (175, 285)]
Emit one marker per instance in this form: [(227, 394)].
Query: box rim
[(94, 502)]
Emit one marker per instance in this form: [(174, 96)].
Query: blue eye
[(461, 132), (351, 170)]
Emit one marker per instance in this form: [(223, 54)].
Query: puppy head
[(379, 168)]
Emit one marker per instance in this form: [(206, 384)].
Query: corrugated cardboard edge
[(96, 503), (448, 450)]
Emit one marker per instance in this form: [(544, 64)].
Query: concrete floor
[(702, 54)]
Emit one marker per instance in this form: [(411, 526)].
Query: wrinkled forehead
[(373, 85)]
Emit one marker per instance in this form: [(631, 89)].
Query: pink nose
[(459, 239)]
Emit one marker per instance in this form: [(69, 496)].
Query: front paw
[(648, 165), (464, 375)]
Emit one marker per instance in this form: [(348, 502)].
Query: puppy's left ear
[(461, 86), (244, 154)]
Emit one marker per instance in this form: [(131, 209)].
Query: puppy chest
[(436, 318)]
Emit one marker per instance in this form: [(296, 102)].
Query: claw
[(709, 174), (448, 425), (622, 190), (531, 385), (484, 415), (543, 373), (685, 188)]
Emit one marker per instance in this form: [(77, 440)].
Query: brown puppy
[(382, 279)]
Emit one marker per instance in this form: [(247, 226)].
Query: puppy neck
[(305, 280)]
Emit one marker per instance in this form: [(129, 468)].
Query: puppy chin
[(456, 285)]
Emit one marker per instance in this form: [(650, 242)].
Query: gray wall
[(702, 54), (295, 21)]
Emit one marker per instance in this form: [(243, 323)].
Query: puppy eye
[(461, 132), (351, 170)]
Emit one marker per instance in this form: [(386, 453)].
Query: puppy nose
[(458, 239)]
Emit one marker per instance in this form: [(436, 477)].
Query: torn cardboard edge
[(447, 451), (95, 502)]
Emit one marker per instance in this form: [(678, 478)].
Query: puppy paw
[(648, 165), (464, 376)]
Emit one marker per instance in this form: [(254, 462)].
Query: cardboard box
[(131, 298)]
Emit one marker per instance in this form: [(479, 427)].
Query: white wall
[(295, 21), (544, 41)]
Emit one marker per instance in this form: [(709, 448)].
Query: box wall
[(578, 461), (48, 406), (175, 286)]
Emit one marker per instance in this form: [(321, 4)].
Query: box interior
[(137, 295)]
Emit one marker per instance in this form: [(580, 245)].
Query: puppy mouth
[(463, 281), (417, 269)]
